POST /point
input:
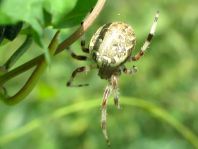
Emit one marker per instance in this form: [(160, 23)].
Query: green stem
[(22, 68), (33, 79), (18, 53), (151, 108)]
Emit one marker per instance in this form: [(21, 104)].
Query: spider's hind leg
[(116, 98), (114, 83), (112, 86), (106, 94)]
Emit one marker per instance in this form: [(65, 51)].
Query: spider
[(109, 49)]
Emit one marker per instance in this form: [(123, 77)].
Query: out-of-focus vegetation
[(167, 78)]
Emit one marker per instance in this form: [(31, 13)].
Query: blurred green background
[(167, 78)]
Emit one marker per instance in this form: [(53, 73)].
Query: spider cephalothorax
[(110, 48)]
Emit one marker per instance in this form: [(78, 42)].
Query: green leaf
[(59, 8), (70, 13), (29, 11)]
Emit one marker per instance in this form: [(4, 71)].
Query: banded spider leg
[(148, 39)]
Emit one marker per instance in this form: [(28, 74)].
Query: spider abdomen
[(112, 44)]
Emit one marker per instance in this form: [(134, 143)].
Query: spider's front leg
[(84, 49), (148, 40), (75, 56), (75, 72)]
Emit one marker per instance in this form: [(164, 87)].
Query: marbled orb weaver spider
[(110, 48)]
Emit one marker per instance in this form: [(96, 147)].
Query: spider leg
[(148, 40), (75, 56), (130, 71), (84, 49), (114, 83), (75, 72), (106, 94)]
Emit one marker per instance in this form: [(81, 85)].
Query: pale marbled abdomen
[(112, 44)]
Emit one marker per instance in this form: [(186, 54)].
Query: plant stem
[(35, 76), (18, 53), (20, 69)]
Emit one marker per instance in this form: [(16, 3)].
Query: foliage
[(166, 79), (41, 13)]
